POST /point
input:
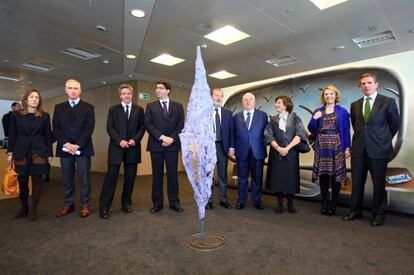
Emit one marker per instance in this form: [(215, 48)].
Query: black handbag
[(303, 147)]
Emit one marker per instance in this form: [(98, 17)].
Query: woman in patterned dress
[(330, 126)]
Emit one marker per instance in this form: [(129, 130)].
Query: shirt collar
[(124, 104), (162, 100), (251, 112), (373, 96), (74, 100), (283, 115)]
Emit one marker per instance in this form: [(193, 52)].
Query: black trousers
[(377, 169), (222, 163), (170, 158), (24, 191)]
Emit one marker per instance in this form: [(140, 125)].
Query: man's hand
[(72, 148), (124, 144), (131, 142), (167, 141)]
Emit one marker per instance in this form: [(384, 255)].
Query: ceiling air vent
[(9, 78), (280, 62), (374, 39), (36, 67), (80, 53)]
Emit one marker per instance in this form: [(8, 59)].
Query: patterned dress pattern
[(329, 158)]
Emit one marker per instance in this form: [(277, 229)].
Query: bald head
[(72, 89)]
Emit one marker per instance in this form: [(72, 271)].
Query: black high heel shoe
[(331, 211), (324, 211)]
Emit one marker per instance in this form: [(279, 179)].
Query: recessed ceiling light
[(101, 28), (103, 82), (6, 60), (222, 75), (324, 4), (131, 56), (36, 67), (105, 61), (10, 78), (339, 47), (167, 59), (137, 13), (226, 35)]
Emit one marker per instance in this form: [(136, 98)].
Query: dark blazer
[(119, 128), (74, 125), (227, 129), (376, 135), (342, 124), (6, 122), (157, 124), (25, 136), (244, 139)]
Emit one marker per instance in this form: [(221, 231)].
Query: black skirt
[(33, 164)]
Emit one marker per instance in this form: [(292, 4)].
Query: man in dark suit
[(125, 127), (375, 121), (164, 120), (73, 125), (223, 127), (250, 152), (16, 106)]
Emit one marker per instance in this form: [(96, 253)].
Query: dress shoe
[(378, 220), (352, 216), (156, 208), (240, 206), (64, 211), (104, 214), (258, 206), (209, 205), (176, 207), (85, 212), (324, 211), (127, 208), (22, 213), (225, 204)]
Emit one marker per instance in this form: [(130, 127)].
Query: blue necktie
[(164, 108), (248, 120)]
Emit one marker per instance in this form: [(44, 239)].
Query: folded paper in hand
[(397, 179), (64, 149)]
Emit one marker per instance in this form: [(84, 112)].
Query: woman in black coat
[(30, 148), (283, 132)]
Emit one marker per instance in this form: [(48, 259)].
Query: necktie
[(72, 104), (367, 109), (218, 126), (248, 120), (127, 111), (164, 108)]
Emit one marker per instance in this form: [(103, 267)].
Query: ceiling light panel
[(324, 4), (36, 67), (283, 61), (80, 53), (222, 75), (9, 78), (227, 35), (374, 39), (167, 59)]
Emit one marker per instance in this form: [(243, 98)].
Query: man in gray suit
[(125, 127), (375, 121)]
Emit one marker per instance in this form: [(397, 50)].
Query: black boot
[(279, 207), (336, 188), (290, 206), (36, 192), (324, 185), (24, 197)]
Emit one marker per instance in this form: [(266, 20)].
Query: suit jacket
[(74, 125), (253, 138), (24, 135), (227, 129), (120, 128), (6, 122), (158, 124), (376, 135)]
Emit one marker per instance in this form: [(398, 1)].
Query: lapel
[(377, 105), (358, 110), (240, 117), (255, 118), (133, 110)]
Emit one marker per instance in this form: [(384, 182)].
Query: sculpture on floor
[(198, 140)]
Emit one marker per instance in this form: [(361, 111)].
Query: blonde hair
[(125, 86), (332, 88)]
